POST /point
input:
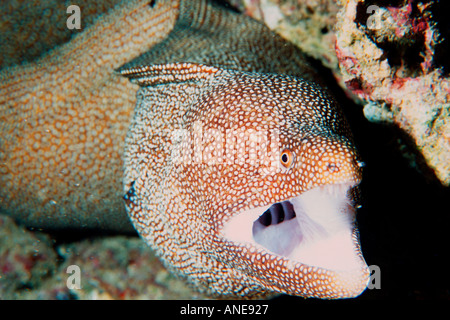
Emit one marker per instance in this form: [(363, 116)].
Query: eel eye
[(286, 158)]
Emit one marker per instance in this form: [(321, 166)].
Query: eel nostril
[(332, 167)]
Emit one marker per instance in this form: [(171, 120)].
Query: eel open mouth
[(316, 228)]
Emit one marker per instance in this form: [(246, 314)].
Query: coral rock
[(308, 24), (386, 55), (26, 259)]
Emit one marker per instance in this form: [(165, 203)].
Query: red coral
[(359, 87), (397, 83), (5, 265), (402, 17), (348, 62)]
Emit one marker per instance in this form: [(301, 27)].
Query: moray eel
[(240, 170), (64, 118)]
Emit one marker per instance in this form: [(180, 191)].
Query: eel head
[(262, 195), (289, 190)]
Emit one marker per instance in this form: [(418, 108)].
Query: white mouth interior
[(314, 228)]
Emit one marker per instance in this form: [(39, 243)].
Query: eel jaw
[(315, 229)]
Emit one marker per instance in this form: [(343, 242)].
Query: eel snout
[(315, 229)]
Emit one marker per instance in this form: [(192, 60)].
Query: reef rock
[(391, 57), (33, 265), (309, 24), (27, 259)]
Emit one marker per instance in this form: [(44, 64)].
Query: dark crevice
[(225, 4), (361, 10), (439, 14), (402, 225), (324, 30), (407, 56)]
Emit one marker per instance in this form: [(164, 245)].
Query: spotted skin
[(64, 118), (64, 121), (192, 164)]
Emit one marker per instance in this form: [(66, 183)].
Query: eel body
[(64, 118), (240, 170)]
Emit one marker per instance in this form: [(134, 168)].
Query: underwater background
[(404, 219)]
